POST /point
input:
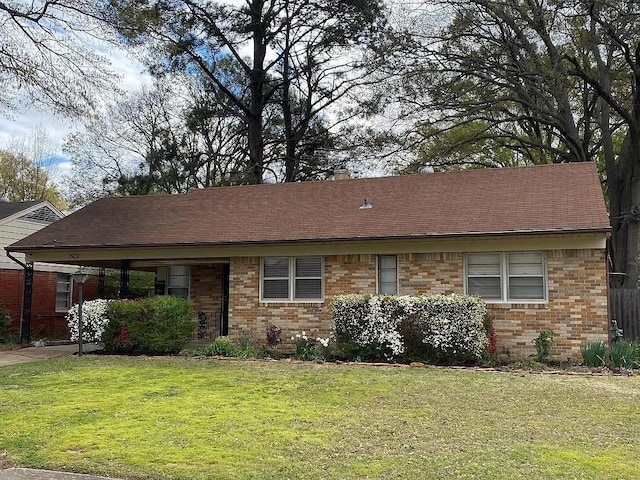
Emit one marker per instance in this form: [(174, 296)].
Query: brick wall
[(576, 310), (249, 316), (45, 321), (206, 291)]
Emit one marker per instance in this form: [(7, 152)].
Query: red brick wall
[(45, 321)]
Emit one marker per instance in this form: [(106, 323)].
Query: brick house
[(530, 241), (53, 289)]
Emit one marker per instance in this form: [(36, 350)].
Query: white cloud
[(131, 75)]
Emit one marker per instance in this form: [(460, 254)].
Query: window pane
[(62, 301), (388, 276), (485, 287), (275, 267), (387, 288), (483, 264), (179, 292), (526, 288), (526, 264), (308, 288), (309, 267), (177, 270), (387, 261), (275, 289)]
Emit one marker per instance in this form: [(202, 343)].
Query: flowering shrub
[(367, 326), (305, 348), (449, 328), (94, 320), (323, 348), (452, 326)]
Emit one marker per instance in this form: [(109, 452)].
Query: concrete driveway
[(33, 354), (31, 474)]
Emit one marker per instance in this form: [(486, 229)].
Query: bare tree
[(548, 81), (46, 55)]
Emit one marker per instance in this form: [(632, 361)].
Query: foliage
[(273, 336), (366, 326), (594, 354), (26, 179), (151, 414), (624, 354), (304, 347), (5, 324), (140, 283), (153, 326), (94, 320), (543, 343), (221, 347), (273, 72), (47, 55), (449, 328), (324, 349), (534, 82)]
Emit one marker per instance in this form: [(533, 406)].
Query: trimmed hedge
[(436, 328), (153, 326)]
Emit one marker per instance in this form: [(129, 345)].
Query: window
[(63, 292), (387, 274), (292, 278), (506, 276), (178, 281)]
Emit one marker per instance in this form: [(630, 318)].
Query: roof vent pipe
[(341, 174)]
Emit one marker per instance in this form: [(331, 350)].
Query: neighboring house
[(530, 241), (52, 285)]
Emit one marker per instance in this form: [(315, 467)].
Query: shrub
[(624, 354), (5, 324), (453, 326), (221, 347), (153, 326), (305, 348), (94, 320), (273, 336), (438, 327), (324, 349), (366, 326), (543, 345), (594, 354)]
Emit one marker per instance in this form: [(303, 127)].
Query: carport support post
[(27, 295), (124, 278)]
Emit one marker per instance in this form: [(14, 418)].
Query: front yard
[(183, 418)]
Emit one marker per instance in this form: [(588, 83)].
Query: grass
[(179, 418)]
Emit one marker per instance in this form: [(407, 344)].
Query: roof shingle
[(542, 199)]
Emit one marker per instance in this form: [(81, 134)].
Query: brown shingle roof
[(542, 199)]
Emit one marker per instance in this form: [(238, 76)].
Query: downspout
[(27, 294)]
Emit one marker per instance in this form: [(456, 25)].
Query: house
[(52, 286), (530, 241)]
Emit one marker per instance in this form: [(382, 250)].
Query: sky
[(21, 124)]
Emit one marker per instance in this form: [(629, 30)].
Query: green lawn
[(204, 419)]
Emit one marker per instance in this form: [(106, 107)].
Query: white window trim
[(292, 278), (70, 292), (504, 279), (378, 273)]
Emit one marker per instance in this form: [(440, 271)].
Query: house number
[(74, 256)]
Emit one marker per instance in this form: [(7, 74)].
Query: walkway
[(30, 474), (33, 354)]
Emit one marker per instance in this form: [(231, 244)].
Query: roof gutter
[(30, 248), (23, 265)]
